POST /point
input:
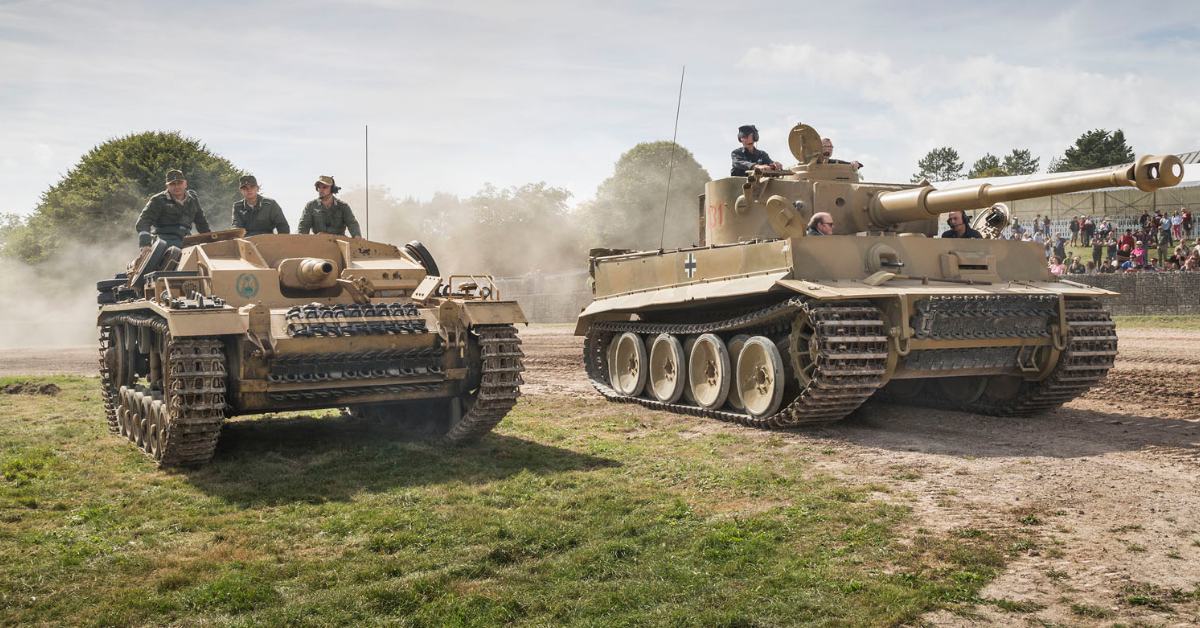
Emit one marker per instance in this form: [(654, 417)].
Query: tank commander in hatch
[(169, 215), (748, 157), (257, 214), (821, 224), (827, 155), (327, 213), (959, 227)]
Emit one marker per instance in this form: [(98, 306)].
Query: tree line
[(500, 231), (1094, 149)]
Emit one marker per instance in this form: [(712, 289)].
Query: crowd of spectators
[(1160, 242)]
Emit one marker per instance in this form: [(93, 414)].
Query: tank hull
[(362, 326), (969, 324)]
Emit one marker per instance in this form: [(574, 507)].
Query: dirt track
[(1113, 478)]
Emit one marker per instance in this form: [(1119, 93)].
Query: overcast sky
[(458, 94)]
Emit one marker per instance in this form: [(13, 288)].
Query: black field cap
[(248, 179), (175, 175)]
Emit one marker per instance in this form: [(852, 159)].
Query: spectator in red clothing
[(1126, 240)]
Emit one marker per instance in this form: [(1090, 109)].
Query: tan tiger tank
[(233, 325), (773, 328)]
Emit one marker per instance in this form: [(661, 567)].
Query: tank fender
[(471, 313)]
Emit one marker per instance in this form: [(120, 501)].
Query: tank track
[(499, 386), (852, 359), (108, 392), (188, 411), (1090, 352)]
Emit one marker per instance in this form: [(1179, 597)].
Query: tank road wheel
[(123, 405), (478, 411), (735, 351), (141, 421), (154, 432), (667, 373), (629, 364), (962, 389), (709, 372), (760, 378), (610, 363), (688, 343)]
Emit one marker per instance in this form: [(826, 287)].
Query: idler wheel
[(709, 372), (667, 374), (629, 364), (735, 350), (760, 378)]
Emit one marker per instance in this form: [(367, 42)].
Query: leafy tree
[(1020, 162), (986, 166), (1095, 149), (99, 199), (628, 209), (939, 164)]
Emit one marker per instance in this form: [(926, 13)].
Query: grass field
[(575, 512), (1158, 322)]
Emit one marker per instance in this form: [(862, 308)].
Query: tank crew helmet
[(175, 175), (328, 180), (747, 130)]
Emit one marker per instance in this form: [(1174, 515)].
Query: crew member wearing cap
[(257, 214), (327, 213), (169, 215), (748, 157)]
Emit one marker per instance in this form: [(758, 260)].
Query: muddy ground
[(1110, 482)]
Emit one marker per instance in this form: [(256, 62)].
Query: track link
[(499, 386), (851, 358)]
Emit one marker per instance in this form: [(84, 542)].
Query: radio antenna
[(671, 164), (367, 174)]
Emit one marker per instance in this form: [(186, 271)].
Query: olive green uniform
[(170, 220), (265, 216), (334, 220)]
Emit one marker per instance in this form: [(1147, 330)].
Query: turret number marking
[(716, 215)]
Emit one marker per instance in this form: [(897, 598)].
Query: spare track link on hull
[(852, 359), (499, 386), (1090, 352), (179, 425)]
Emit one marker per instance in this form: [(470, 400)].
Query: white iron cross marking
[(689, 265)]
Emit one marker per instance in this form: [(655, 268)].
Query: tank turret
[(779, 204)]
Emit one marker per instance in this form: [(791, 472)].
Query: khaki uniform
[(334, 220), (263, 217), (169, 220)]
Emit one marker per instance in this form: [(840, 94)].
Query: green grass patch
[(1092, 612), (1158, 322), (574, 512)]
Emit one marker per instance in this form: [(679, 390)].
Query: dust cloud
[(53, 304)]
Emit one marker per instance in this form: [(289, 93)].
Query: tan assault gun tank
[(770, 327), (233, 325)]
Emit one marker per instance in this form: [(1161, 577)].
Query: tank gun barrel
[(1149, 173), (314, 271)]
